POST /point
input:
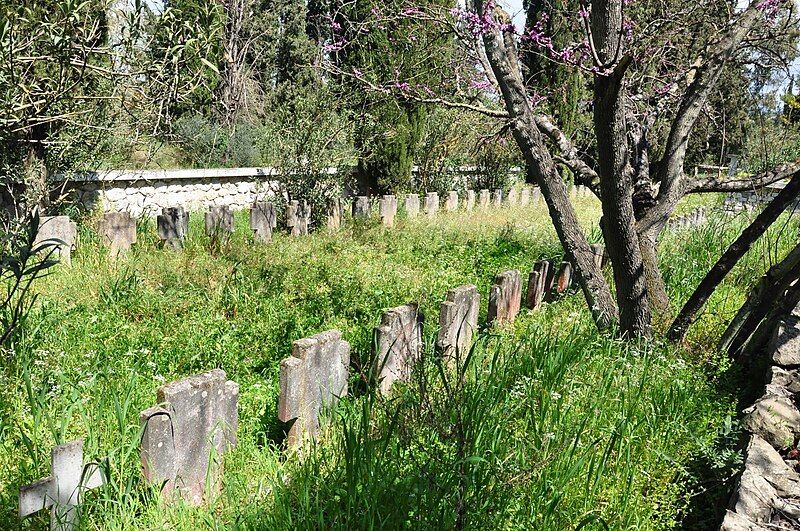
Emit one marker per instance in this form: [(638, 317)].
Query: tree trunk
[(734, 253), (501, 54), (760, 338), (761, 299), (36, 169), (616, 173)]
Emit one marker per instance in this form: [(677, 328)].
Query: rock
[(785, 344), (790, 379), (763, 460), (754, 497), (775, 419), (736, 522)]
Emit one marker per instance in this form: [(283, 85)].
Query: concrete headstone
[(61, 491), (185, 438), (397, 345), (536, 195), (362, 207), (334, 214), (387, 210), (483, 199), (458, 320), (59, 231), (117, 231), (505, 298), (451, 204), (263, 220), (525, 197), (469, 202), (564, 278), (173, 226), (298, 217), (513, 197), (312, 378), (533, 295), (431, 204), (497, 198), (412, 205), (219, 222)]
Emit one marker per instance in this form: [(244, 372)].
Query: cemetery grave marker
[(525, 196), (298, 217), (469, 203), (458, 320), (362, 208), (397, 345), (263, 220), (599, 254), (118, 231), (451, 204), (334, 216), (536, 284), (497, 198), (536, 195), (387, 210), (219, 222), (564, 278), (312, 378), (513, 197), (62, 232), (431, 204), (61, 491), (185, 437), (173, 227), (484, 197), (505, 298), (412, 205)]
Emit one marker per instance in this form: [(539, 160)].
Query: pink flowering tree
[(650, 80)]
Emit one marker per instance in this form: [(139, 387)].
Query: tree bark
[(734, 253), (616, 173), (761, 299), (540, 167)]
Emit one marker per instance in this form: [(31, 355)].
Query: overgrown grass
[(550, 426)]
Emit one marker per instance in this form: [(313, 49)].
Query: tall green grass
[(549, 425)]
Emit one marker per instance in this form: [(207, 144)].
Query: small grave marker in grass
[(505, 298), (398, 344)]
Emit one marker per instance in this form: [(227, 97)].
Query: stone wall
[(751, 199)]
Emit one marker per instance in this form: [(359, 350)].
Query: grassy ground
[(548, 425)]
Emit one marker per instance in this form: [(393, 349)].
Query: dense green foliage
[(548, 425)]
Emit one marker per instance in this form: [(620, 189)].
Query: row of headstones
[(692, 219), (185, 437), (767, 493)]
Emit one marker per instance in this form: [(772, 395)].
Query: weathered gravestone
[(185, 437), (298, 217), (549, 281), (61, 491), (458, 320), (451, 203), (525, 196), (387, 210), (397, 345), (219, 222), (599, 254), (564, 278), (362, 207), (536, 195), (312, 378), (173, 226), (263, 220), (469, 202), (573, 191), (431, 204), (483, 199), (412, 205), (59, 231), (505, 298), (117, 231), (497, 198), (334, 214), (513, 197), (536, 282)]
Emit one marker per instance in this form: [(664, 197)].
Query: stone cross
[(362, 208), (334, 218), (312, 378), (118, 231), (59, 231), (387, 210), (263, 220), (599, 254), (525, 196), (564, 278), (513, 197), (185, 437), (397, 346), (505, 298), (484, 199), (173, 226), (298, 217), (431, 204), (458, 320), (61, 491), (412, 205), (469, 202), (219, 222), (497, 198), (451, 203)]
